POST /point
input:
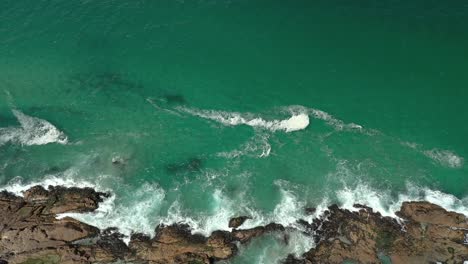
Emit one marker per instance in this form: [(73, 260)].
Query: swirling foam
[(33, 131), (334, 122), (445, 157), (66, 179), (258, 146), (138, 216), (385, 204)]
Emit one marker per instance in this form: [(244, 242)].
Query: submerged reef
[(32, 232)]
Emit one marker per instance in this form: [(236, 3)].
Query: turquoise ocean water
[(197, 111)]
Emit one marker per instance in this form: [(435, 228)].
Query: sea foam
[(445, 157), (258, 146), (137, 215), (382, 201), (32, 131), (296, 122), (17, 186)]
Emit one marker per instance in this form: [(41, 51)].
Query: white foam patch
[(296, 122), (276, 249), (17, 186), (258, 146), (334, 122), (139, 215), (445, 157), (222, 210), (385, 204), (33, 131), (286, 212), (289, 210), (362, 194)]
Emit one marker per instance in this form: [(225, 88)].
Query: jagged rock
[(432, 235), (429, 234), (237, 221), (291, 259), (31, 233), (58, 199), (29, 228), (176, 244), (247, 234), (310, 210)]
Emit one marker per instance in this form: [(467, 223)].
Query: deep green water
[(151, 85)]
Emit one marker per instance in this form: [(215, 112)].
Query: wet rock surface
[(31, 233), (426, 233), (238, 221)]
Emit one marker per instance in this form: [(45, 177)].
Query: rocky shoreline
[(30, 233)]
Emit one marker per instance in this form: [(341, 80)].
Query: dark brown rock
[(29, 228), (310, 210), (237, 221), (429, 234), (30, 232), (291, 259), (176, 244)]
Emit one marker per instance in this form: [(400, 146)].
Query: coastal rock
[(176, 244), (31, 233), (427, 234), (237, 221), (29, 228), (310, 210)]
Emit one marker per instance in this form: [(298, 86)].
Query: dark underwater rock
[(191, 165), (174, 99)]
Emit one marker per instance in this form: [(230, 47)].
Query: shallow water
[(197, 111)]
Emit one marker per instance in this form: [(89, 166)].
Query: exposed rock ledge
[(30, 233)]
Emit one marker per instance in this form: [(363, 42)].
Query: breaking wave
[(387, 205), (144, 212), (296, 122), (32, 131), (137, 216)]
